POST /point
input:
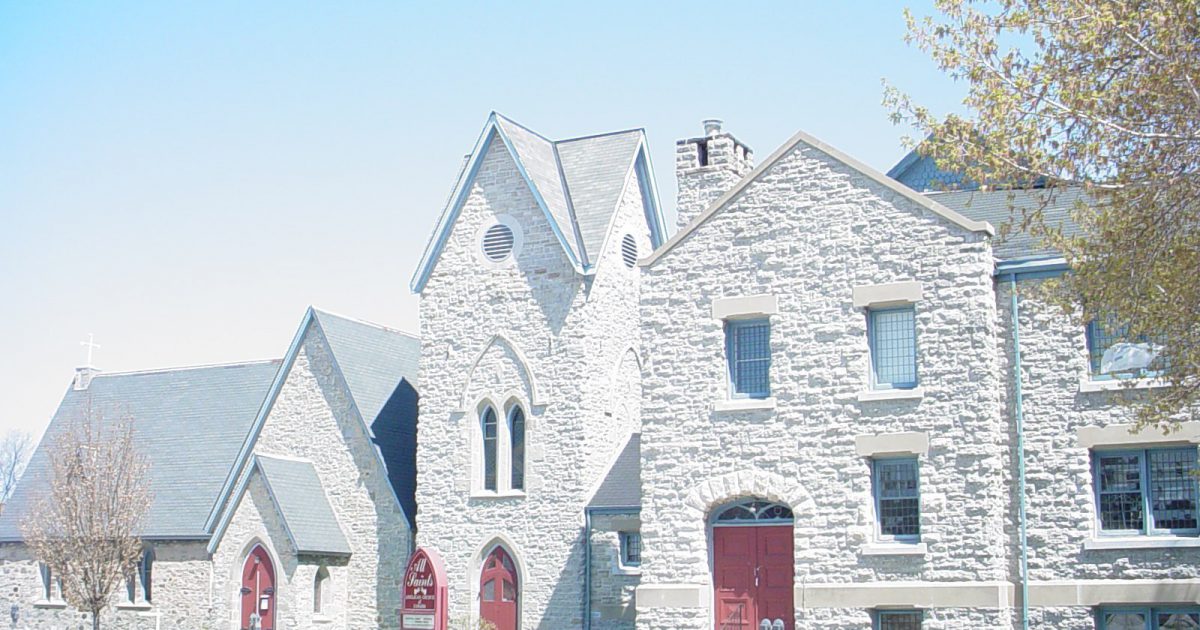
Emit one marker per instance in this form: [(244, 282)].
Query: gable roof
[(307, 516), (576, 182), (783, 151), (188, 422), (370, 359), (922, 174), (622, 485), (997, 207)]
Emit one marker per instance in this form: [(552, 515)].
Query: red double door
[(498, 590), (258, 591), (753, 571)]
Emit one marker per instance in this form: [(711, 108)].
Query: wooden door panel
[(499, 590), (776, 566)]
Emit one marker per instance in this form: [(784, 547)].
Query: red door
[(499, 590), (753, 571), (258, 591)]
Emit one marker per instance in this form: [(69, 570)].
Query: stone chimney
[(708, 167), (83, 376)]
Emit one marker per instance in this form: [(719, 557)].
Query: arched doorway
[(258, 591), (753, 566), (499, 590)]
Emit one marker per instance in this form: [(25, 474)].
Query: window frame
[(732, 326), (1092, 331), (1148, 611), (877, 496), (1146, 489), (623, 538), (514, 409), (873, 337), (321, 583), (881, 615), (494, 468)]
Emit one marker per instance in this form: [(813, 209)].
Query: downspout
[(587, 569), (1020, 421)]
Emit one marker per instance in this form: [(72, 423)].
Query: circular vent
[(498, 242), (629, 251)]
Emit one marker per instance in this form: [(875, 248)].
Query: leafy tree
[(86, 527), (1103, 94)]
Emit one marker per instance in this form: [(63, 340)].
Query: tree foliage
[(86, 527), (1103, 94)]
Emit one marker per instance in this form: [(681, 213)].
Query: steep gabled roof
[(307, 516), (786, 149), (622, 484), (189, 423), (577, 182), (369, 359)]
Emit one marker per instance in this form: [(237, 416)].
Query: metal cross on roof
[(91, 345)]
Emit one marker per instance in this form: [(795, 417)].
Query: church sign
[(425, 593)]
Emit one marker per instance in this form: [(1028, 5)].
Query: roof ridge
[(601, 135), (184, 368), (364, 322), (509, 120)]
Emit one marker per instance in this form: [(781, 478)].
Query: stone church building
[(828, 397)]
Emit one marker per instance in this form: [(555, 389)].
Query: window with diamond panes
[(1146, 491), (1104, 333), (631, 549), (748, 344), (897, 499), (898, 620), (1166, 618), (893, 337)]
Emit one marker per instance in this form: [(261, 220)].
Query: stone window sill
[(624, 570), (45, 603), (134, 606), (504, 494), (321, 619), (874, 395), (894, 549), (1141, 542), (1087, 385), (744, 404)]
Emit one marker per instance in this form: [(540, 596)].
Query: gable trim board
[(223, 504), (576, 251), (783, 151)]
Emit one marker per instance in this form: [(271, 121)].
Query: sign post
[(424, 606)]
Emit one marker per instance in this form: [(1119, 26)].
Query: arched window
[(490, 429), (754, 511), (320, 590), (145, 573), (516, 433)]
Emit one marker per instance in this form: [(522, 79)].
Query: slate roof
[(373, 359), (595, 169), (994, 206), (190, 423), (622, 486), (921, 173), (298, 495)]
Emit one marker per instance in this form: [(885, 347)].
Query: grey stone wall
[(613, 586)]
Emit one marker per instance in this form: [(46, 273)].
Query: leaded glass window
[(631, 548), (898, 620), (1129, 357), (893, 341), (1146, 491), (754, 511), (748, 344), (490, 437), (897, 498), (1184, 618), (516, 434)]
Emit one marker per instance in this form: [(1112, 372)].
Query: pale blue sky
[(183, 179)]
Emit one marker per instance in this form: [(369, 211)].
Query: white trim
[(912, 443), (877, 395), (894, 549), (905, 594), (1088, 385), (803, 138), (651, 596), (1123, 435), (744, 404), (1142, 542), (886, 295), (1113, 592), (747, 306)]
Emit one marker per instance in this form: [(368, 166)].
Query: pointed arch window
[(320, 590), (516, 433), (491, 435)]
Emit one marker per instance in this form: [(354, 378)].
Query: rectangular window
[(892, 334), (748, 346), (897, 499), (898, 620), (1150, 491), (1128, 358), (631, 549), (1166, 618)]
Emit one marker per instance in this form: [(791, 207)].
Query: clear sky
[(183, 179)]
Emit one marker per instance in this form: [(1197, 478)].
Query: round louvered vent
[(629, 251), (498, 242)]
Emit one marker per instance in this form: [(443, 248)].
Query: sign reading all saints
[(425, 593)]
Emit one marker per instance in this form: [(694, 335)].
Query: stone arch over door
[(256, 588), (480, 571), (724, 489)]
